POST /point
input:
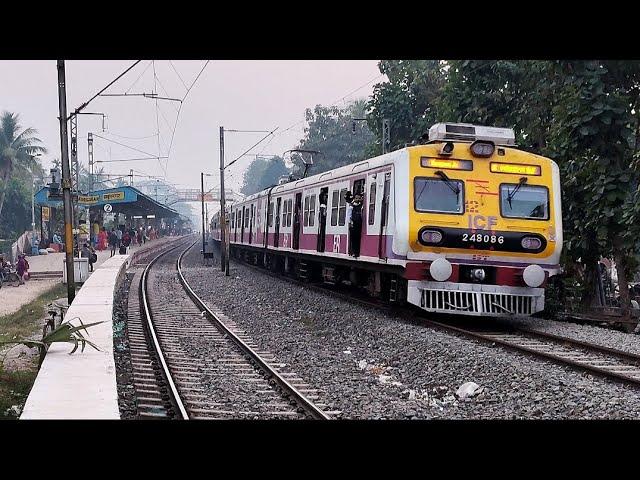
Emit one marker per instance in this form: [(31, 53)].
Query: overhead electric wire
[(85, 104), (180, 109), (157, 119), (178, 73), (139, 77), (251, 148), (127, 146), (128, 159)]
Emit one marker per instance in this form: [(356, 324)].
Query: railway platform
[(83, 385)]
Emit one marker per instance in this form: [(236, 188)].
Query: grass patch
[(28, 320), (15, 386), (14, 389)]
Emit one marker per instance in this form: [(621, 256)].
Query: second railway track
[(607, 362), (209, 367)]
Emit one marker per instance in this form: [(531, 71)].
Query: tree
[(582, 114), (16, 148), (329, 130), (410, 100), (263, 173)]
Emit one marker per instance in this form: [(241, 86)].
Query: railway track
[(199, 365), (603, 361)]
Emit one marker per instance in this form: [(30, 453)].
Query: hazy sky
[(247, 95)]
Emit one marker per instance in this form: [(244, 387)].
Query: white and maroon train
[(465, 224)]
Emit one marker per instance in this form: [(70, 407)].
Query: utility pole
[(91, 167), (202, 198), (223, 237), (66, 184), (386, 135)]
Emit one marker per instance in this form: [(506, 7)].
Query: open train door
[(277, 229), (322, 227), (384, 209), (296, 221)]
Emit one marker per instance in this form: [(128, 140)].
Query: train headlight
[(482, 148), (478, 274), (430, 237), (440, 269), (533, 275), (531, 243)]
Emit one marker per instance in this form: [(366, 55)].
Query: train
[(465, 223)]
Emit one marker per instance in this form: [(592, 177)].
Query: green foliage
[(410, 99), (65, 332), (263, 173), (330, 131), (582, 114)]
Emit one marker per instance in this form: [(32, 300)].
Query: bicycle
[(8, 275)]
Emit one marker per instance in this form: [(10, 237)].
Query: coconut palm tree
[(16, 148)]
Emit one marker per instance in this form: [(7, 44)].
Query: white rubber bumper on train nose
[(533, 275), (440, 269)]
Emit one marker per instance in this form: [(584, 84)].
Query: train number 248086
[(480, 238)]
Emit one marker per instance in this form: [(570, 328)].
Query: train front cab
[(485, 228)]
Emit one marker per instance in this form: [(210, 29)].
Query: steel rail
[(176, 399), (491, 337), (307, 405), (610, 372)]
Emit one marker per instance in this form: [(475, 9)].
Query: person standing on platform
[(103, 239), (119, 235), (113, 241)]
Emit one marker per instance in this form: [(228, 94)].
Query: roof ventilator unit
[(466, 132)]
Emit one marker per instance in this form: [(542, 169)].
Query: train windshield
[(438, 195), (524, 201)]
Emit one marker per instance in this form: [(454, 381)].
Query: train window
[(233, 221), (334, 208), (305, 215), (342, 211), (284, 214), (270, 215), (438, 195), (290, 209), (372, 203), (524, 201), (312, 210)]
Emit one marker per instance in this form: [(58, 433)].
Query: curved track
[(211, 368)]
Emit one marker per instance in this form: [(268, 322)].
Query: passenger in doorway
[(355, 224), (113, 241)]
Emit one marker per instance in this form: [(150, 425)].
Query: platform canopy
[(124, 200)]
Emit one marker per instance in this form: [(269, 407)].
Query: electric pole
[(223, 236), (66, 184), (202, 198), (386, 135), (91, 167)]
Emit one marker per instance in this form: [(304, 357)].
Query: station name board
[(87, 199), (113, 196), (105, 197)]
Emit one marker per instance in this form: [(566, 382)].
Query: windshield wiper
[(454, 188), (513, 192)]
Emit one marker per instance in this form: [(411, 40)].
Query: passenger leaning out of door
[(354, 216)]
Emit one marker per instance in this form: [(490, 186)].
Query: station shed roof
[(126, 200)]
